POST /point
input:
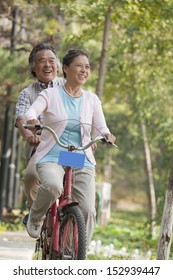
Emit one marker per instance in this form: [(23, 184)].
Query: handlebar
[(69, 147)]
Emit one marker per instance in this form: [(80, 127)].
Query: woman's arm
[(38, 107), (31, 117)]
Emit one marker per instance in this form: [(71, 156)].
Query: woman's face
[(78, 71)]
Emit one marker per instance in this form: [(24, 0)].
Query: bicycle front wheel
[(72, 238)]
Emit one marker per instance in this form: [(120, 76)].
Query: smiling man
[(44, 66)]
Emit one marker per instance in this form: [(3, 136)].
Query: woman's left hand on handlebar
[(110, 137)]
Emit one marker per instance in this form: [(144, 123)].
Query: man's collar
[(50, 84)]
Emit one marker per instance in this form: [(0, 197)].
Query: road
[(16, 245)]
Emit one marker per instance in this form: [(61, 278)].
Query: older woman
[(73, 113)]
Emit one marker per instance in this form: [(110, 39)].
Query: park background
[(130, 43)]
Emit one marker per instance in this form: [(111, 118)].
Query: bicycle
[(63, 233)]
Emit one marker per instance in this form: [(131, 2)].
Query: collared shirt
[(29, 94)]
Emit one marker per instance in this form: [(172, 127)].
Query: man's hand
[(33, 139)]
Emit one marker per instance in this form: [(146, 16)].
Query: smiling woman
[(76, 71), (73, 113)]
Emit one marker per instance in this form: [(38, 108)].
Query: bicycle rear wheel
[(72, 238)]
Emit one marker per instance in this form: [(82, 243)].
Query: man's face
[(45, 66)]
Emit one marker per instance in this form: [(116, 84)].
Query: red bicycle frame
[(64, 200)]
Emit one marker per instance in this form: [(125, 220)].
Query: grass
[(128, 232)]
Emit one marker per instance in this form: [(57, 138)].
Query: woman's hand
[(110, 137)]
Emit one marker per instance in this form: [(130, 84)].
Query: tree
[(165, 238), (102, 65)]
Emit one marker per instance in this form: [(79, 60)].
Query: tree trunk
[(164, 243), (102, 70), (14, 28), (108, 167), (151, 189), (99, 88)]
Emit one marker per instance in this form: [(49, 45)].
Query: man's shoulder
[(30, 93), (31, 87)]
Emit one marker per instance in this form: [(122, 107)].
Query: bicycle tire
[(72, 238)]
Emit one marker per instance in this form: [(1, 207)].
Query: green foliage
[(130, 230), (14, 73)]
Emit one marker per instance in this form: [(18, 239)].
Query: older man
[(44, 66)]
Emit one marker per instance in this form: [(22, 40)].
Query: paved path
[(16, 245)]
